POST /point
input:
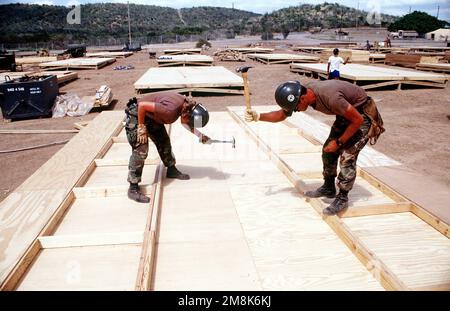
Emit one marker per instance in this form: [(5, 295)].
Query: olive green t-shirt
[(334, 96), (168, 106)]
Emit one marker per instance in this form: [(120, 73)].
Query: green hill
[(36, 23)]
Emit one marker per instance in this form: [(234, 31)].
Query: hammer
[(232, 142), (243, 70)]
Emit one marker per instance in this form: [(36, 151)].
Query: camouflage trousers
[(158, 134), (347, 154)]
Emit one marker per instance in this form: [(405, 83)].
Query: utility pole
[(357, 10), (232, 5), (129, 24), (410, 9), (437, 15)]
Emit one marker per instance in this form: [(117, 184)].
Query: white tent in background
[(442, 34)]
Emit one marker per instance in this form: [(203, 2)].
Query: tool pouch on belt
[(131, 112), (376, 128)]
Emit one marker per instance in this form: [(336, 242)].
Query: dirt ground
[(418, 130)]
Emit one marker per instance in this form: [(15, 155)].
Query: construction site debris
[(71, 105), (229, 55)]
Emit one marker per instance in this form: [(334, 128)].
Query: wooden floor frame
[(147, 238), (379, 270), (369, 85)]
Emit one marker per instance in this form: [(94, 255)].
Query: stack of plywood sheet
[(283, 58), (79, 63), (409, 60), (183, 60), (248, 50), (355, 56), (30, 60), (190, 79), (437, 67), (370, 77), (109, 54), (182, 51)]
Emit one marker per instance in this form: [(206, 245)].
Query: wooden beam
[(13, 131), (80, 240), (147, 261), (376, 209)]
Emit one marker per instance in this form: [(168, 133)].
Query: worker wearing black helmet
[(357, 122), (146, 117)]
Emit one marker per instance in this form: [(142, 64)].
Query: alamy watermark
[(74, 16)]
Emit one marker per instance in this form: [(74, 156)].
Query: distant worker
[(334, 64), (357, 122), (368, 46), (387, 42), (146, 117)]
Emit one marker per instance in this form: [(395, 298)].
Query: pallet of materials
[(30, 60), (213, 79), (283, 58), (61, 76), (355, 56), (436, 67), (184, 60), (79, 63), (408, 60), (182, 51), (109, 54), (371, 77), (248, 50)]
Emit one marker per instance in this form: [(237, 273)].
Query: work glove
[(142, 135), (251, 115), (205, 140)]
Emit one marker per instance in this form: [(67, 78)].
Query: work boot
[(173, 172), (135, 194), (339, 204), (328, 189)]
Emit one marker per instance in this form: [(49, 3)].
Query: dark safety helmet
[(287, 96), (199, 116)]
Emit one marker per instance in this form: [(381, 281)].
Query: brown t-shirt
[(334, 96), (168, 106)]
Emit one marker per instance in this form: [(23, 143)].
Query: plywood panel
[(111, 176), (120, 151), (26, 211), (365, 72), (109, 54), (90, 62), (184, 59), (182, 51), (415, 251), (188, 77), (61, 76), (84, 268), (292, 247), (118, 214), (283, 57)]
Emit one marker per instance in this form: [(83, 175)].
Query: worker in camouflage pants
[(146, 117), (357, 122)]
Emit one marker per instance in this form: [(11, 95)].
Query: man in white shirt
[(334, 63)]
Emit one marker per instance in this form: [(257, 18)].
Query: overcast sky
[(395, 7)]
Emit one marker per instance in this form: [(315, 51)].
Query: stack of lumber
[(437, 67), (229, 55), (355, 56), (409, 60)]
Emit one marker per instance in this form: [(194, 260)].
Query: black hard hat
[(287, 96), (199, 116)]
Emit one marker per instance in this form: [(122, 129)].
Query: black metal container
[(28, 97)]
